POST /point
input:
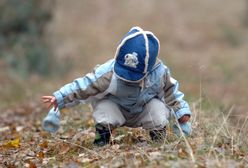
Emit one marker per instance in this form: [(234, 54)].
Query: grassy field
[(215, 141), (204, 43)]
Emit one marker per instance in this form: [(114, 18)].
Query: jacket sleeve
[(174, 98), (84, 89)]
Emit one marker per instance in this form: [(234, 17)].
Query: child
[(134, 89)]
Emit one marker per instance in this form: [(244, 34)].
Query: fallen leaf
[(64, 148), (81, 155), (45, 161), (32, 165), (44, 144), (90, 122), (182, 153), (12, 144), (115, 147), (19, 128), (84, 160), (40, 155), (9, 165)]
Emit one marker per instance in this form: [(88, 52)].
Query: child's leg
[(154, 118), (107, 116), (156, 115)]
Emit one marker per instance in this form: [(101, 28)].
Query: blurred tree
[(246, 14), (22, 23)]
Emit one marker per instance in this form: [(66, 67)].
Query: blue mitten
[(186, 128), (51, 122)]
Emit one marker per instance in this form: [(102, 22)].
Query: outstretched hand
[(50, 101)]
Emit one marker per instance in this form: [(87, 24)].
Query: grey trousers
[(110, 115)]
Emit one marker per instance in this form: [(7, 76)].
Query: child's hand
[(51, 101), (184, 119)]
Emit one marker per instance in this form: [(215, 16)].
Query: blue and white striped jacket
[(103, 83)]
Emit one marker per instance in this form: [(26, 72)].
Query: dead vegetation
[(215, 142)]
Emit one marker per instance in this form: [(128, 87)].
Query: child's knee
[(155, 122), (157, 108), (156, 115), (107, 113), (108, 122)]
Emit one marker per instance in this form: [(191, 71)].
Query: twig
[(218, 131), (70, 143), (185, 139), (195, 113), (144, 153), (242, 128)]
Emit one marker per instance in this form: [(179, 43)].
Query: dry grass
[(215, 141)]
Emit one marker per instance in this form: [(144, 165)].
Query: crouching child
[(134, 89)]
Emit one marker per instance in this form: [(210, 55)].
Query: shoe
[(158, 135), (102, 137)]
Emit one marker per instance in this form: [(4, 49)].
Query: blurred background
[(45, 44)]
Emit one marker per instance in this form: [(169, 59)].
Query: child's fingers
[(50, 100), (46, 97), (53, 99), (46, 100)]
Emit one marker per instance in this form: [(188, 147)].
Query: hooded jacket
[(103, 83)]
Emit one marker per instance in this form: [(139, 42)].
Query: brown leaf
[(32, 165), (64, 148), (90, 122), (44, 134), (182, 153), (40, 155), (44, 144)]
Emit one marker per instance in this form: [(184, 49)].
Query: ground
[(213, 143)]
